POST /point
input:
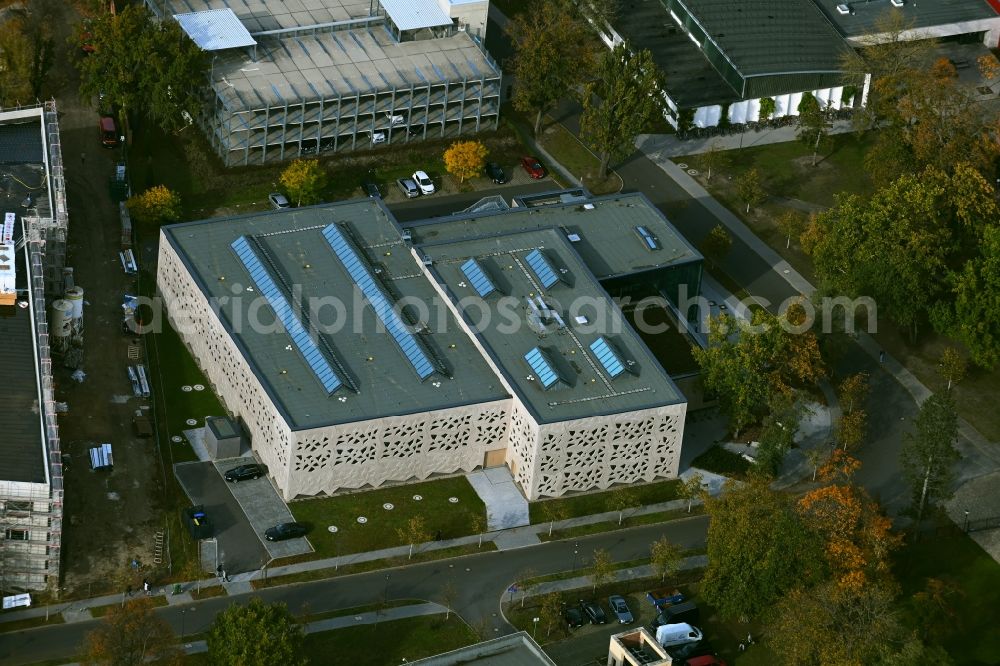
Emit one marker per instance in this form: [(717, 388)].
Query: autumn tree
[(15, 65), (852, 391), (554, 511), (758, 550), (832, 626), (412, 532), (621, 101), (750, 189), (479, 524), (256, 634), (465, 159), (551, 56), (929, 455), (304, 180), (852, 427), (621, 499), (156, 205), (935, 606), (27, 50), (952, 366), (143, 67), (602, 568), (790, 223), (691, 488), (131, 635), (448, 595), (665, 557), (716, 245), (713, 159), (550, 612)]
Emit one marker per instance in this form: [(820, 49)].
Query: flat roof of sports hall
[(371, 374)]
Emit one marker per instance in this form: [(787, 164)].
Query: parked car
[(285, 531), (370, 188), (682, 633), (533, 167), (495, 173), (378, 137), (408, 187), (109, 132), (278, 201), (705, 660), (395, 119), (620, 609), (245, 472), (573, 616), (594, 612), (685, 611), (424, 182)]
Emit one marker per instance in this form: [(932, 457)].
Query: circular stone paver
[(453, 500), (418, 497), (199, 387), (332, 529), (692, 172), (362, 520), (191, 422), (176, 439), (186, 388), (388, 506), (682, 165)]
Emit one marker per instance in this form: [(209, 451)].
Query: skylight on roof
[(543, 368), (648, 239), (476, 276), (606, 355), (542, 268)]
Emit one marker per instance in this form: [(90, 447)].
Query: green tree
[(952, 366), (551, 56), (829, 625), (974, 316), (691, 488), (929, 455), (620, 103), (758, 550), (853, 391), (716, 245), (750, 190), (621, 499), (413, 532), (550, 612), (27, 45), (790, 223), (767, 107), (666, 557), (144, 67), (852, 429), (713, 159), (554, 511), (602, 568), (813, 126), (777, 436), (15, 65), (156, 205), (131, 635), (304, 180), (255, 634)]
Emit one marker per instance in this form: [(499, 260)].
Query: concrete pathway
[(506, 507)]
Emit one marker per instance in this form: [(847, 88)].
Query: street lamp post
[(534, 629), (576, 551)]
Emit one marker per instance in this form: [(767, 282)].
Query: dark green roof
[(767, 37), (921, 14)]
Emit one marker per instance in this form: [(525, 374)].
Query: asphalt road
[(480, 579)]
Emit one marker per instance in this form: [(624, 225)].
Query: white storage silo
[(75, 297), (60, 326)]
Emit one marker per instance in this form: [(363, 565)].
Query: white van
[(670, 635)]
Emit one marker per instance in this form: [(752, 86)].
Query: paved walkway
[(658, 146), (506, 507)]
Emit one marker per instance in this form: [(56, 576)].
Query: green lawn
[(953, 557), (628, 521), (20, 625), (591, 503), (577, 159), (442, 518)]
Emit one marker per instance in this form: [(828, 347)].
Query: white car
[(424, 182), (278, 201)]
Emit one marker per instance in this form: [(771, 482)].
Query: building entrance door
[(494, 458)]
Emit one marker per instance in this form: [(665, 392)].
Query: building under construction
[(334, 75), (32, 254)]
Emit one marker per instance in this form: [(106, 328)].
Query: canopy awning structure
[(215, 29), (415, 14)]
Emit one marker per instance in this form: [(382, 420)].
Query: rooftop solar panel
[(476, 276), (607, 356), (542, 268), (283, 311), (542, 366), (408, 343)]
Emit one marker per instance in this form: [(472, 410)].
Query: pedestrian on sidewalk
[(145, 587), (881, 356)]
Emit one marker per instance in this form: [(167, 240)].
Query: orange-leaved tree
[(132, 635), (465, 159), (156, 205)]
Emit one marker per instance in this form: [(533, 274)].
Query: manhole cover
[(418, 497), (388, 506), (682, 165), (332, 529), (692, 172), (362, 520), (186, 388), (176, 439), (191, 422), (453, 500), (199, 387), (113, 496)]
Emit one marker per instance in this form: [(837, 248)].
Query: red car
[(533, 167), (109, 131), (705, 660)]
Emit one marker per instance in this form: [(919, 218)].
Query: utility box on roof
[(222, 437)]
